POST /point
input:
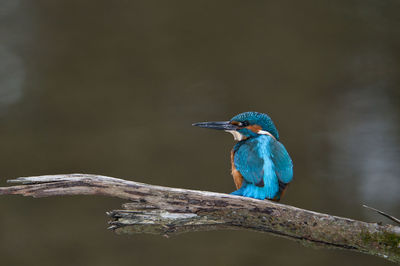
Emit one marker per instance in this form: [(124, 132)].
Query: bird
[(260, 165)]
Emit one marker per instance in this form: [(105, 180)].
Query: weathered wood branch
[(166, 211)]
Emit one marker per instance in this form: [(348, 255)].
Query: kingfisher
[(261, 167)]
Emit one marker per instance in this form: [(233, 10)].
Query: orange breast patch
[(237, 176)]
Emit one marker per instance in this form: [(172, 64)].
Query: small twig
[(394, 219)]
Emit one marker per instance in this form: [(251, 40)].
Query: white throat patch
[(236, 135)]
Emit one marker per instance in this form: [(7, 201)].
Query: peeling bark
[(168, 211)]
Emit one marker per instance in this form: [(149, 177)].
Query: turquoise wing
[(282, 162), (249, 162)]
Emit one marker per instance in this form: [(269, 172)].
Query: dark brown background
[(112, 87)]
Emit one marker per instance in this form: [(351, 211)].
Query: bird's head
[(245, 125)]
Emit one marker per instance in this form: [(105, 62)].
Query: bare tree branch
[(166, 211)]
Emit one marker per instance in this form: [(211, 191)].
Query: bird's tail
[(252, 191)]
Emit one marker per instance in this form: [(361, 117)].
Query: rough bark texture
[(166, 211)]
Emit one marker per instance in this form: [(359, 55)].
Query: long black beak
[(224, 125)]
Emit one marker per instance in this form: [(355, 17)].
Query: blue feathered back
[(264, 163)]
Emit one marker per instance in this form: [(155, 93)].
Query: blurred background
[(112, 87)]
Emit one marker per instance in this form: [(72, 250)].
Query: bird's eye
[(244, 124)]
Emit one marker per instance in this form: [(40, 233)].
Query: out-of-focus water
[(112, 87)]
